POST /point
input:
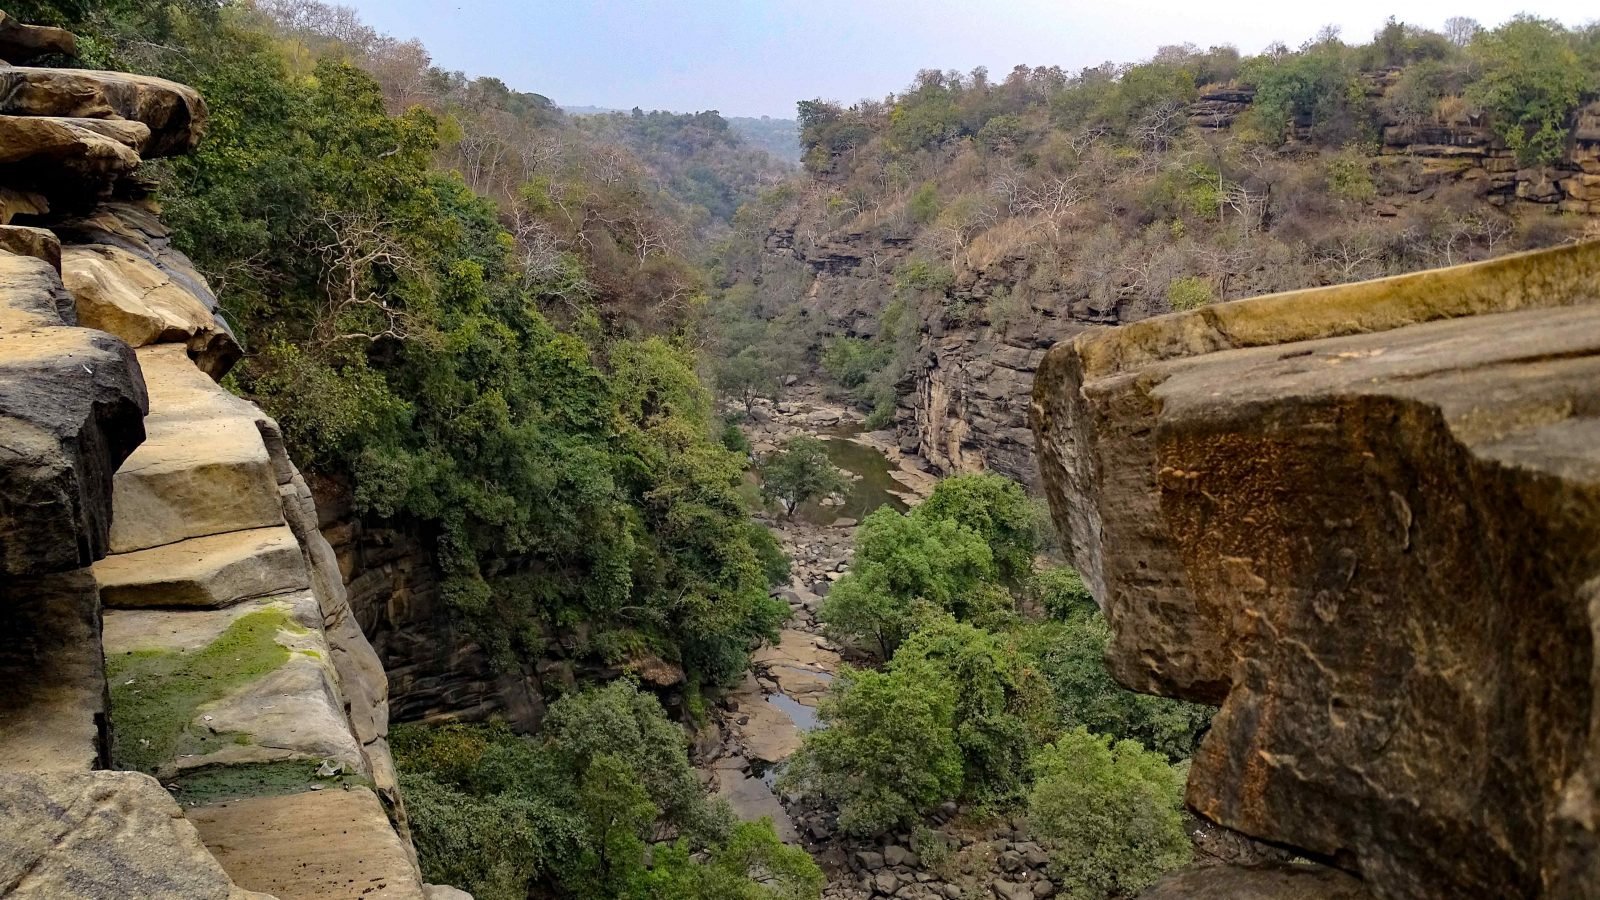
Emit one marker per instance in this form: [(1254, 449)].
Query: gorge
[(1166, 480)]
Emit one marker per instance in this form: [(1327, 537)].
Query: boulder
[(20, 43), (39, 243), (868, 860), (72, 407), (1366, 520), (135, 228), (56, 150), (128, 296), (174, 113), (653, 670), (102, 836), (1012, 890)]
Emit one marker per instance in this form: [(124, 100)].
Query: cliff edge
[(171, 609), (1366, 521)]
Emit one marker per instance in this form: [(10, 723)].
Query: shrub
[(1190, 292), (851, 361), (924, 205), (921, 275), (733, 439), (1109, 814), (1350, 176)]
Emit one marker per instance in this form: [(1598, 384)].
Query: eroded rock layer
[(153, 529), (1366, 521)]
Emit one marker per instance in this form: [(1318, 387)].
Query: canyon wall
[(964, 402), (1366, 521), (170, 605), (437, 672)]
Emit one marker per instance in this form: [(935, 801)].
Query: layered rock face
[(437, 672), (964, 407), (152, 528), (1366, 521)]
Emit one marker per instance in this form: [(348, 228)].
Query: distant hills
[(779, 137)]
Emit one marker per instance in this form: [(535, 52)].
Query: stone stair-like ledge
[(213, 571), (333, 844), (273, 691), (203, 468)]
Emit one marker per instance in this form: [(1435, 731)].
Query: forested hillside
[(479, 316), (779, 137), (974, 220)]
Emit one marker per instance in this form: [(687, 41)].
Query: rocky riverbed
[(756, 727)]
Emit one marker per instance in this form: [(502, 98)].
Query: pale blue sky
[(756, 57)]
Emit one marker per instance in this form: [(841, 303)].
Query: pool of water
[(877, 486), (804, 717)]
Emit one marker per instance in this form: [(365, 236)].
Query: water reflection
[(876, 487)]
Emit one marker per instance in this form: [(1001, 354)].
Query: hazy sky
[(758, 57)]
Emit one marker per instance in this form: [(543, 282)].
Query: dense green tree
[(904, 560), (1004, 708), (996, 509), (1061, 593), (1109, 814), (1532, 78), (574, 812), (1317, 87), (887, 752), (800, 471), (752, 864), (1071, 657)]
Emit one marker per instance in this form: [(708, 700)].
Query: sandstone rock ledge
[(238, 673), (1366, 520)]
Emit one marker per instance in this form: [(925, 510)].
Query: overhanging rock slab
[(1380, 552)]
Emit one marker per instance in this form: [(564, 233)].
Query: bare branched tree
[(1055, 199), (1349, 257), (359, 254)]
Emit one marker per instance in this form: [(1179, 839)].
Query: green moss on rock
[(215, 784), (155, 694)]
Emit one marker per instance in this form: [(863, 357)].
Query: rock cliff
[(964, 402), (1366, 521), (171, 607)]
